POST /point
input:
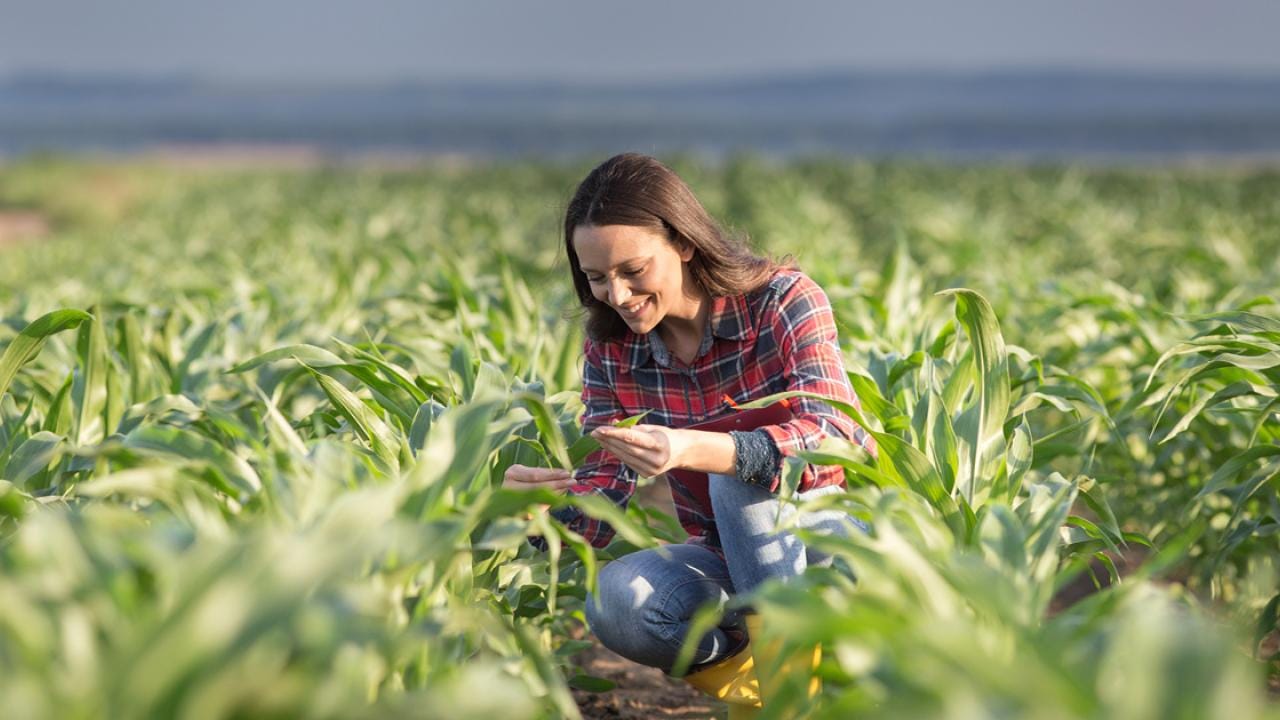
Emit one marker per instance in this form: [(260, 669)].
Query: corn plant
[(251, 465)]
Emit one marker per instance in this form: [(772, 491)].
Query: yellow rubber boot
[(774, 671), (732, 680)]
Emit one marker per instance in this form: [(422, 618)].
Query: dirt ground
[(642, 692)]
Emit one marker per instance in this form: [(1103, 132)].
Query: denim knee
[(644, 601), (621, 611)]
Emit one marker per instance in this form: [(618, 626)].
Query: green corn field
[(253, 426)]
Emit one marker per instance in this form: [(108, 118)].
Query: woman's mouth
[(631, 312)]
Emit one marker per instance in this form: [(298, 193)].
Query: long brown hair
[(637, 190)]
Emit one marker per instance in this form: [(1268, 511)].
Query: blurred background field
[(442, 287), (280, 300)]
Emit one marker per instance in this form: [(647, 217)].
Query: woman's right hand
[(522, 477)]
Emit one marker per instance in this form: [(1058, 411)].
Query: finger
[(642, 439), (613, 430), (629, 457), (524, 478), (634, 438), (557, 486), (612, 447), (541, 475), (617, 448), (633, 455)]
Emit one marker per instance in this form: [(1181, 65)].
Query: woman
[(683, 321)]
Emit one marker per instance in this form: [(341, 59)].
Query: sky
[(655, 40)]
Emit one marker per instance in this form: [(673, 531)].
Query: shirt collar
[(729, 320)]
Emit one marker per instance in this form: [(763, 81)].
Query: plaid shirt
[(780, 337)]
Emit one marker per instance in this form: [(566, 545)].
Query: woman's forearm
[(709, 452)]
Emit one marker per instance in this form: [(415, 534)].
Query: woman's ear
[(685, 249)]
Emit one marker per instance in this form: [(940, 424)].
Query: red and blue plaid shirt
[(778, 338)]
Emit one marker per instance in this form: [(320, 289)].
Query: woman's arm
[(805, 331), (653, 449), (600, 472)]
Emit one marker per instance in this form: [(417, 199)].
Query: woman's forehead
[(608, 246)]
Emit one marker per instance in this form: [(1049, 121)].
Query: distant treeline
[(1038, 114)]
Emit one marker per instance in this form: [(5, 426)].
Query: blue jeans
[(645, 600)]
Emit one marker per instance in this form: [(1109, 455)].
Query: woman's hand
[(523, 477), (650, 450)]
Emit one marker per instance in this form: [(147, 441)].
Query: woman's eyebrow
[(629, 261)]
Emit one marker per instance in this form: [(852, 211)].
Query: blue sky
[(264, 40)]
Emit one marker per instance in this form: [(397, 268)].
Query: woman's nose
[(618, 293)]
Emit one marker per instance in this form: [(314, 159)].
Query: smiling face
[(638, 272)]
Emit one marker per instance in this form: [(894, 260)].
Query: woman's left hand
[(650, 450)]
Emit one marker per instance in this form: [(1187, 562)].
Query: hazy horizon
[(1024, 114), (292, 41), (22, 74), (1167, 78)]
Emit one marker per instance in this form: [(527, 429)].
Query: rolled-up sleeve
[(600, 472), (805, 331)]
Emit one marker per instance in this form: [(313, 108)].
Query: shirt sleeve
[(805, 331), (600, 472)]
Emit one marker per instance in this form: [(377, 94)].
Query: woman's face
[(636, 271)]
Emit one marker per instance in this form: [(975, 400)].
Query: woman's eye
[(597, 279)]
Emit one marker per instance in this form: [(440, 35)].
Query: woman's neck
[(682, 330)]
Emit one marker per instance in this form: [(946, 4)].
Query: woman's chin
[(639, 326)]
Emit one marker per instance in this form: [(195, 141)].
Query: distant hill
[(1030, 114)]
